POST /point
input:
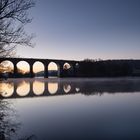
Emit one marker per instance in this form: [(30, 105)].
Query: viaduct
[(60, 64)]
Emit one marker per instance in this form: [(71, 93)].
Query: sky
[(80, 29)]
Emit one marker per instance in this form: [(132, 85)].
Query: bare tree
[(13, 18)]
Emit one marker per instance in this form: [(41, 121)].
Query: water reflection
[(6, 89), (91, 117), (67, 88), (30, 88), (23, 88), (38, 87), (52, 88), (77, 89)]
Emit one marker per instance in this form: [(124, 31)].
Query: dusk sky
[(79, 29)]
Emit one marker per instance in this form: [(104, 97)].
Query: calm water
[(70, 109)]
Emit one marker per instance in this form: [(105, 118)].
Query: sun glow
[(23, 67), (38, 67), (52, 66), (6, 66)]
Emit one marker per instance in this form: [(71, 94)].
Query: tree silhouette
[(13, 18), (107, 68)]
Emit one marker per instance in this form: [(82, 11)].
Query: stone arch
[(77, 65), (39, 69), (6, 68), (23, 68), (67, 66), (53, 69), (68, 69)]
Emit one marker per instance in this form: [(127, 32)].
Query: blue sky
[(79, 29)]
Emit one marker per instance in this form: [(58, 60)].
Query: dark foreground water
[(70, 109)]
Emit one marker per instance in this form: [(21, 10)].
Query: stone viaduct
[(60, 64)]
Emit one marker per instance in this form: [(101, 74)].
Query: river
[(70, 109)]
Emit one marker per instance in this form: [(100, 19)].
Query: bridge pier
[(31, 69), (74, 70), (46, 70), (15, 70), (31, 93), (60, 70)]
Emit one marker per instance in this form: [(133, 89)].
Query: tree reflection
[(8, 126), (32, 137)]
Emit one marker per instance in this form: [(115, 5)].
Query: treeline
[(109, 68), (12, 75)]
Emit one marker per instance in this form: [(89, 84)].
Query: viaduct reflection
[(37, 87)]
